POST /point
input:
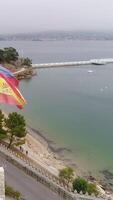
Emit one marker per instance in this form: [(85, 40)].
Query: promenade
[(25, 164)]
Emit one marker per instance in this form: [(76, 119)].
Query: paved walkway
[(30, 188)]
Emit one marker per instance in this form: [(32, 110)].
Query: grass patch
[(10, 192)]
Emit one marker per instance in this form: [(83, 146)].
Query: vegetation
[(1, 55), (8, 54), (16, 128), (66, 175), (9, 191), (10, 59), (92, 189), (26, 61), (3, 134), (13, 128), (1, 120), (82, 185)]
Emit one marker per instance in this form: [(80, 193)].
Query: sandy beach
[(39, 151), (38, 148)]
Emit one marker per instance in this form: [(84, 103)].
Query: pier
[(74, 63)]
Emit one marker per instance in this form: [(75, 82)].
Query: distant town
[(58, 35)]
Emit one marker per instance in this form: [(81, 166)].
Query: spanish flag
[(9, 92), (10, 76)]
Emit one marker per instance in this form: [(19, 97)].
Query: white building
[(2, 184)]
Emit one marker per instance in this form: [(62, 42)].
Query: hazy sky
[(39, 15)]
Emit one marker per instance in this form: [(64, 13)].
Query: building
[(2, 184)]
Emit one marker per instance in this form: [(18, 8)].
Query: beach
[(44, 151), (38, 149)]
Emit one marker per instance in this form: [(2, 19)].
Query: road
[(30, 188)]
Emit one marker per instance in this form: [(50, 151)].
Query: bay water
[(71, 106)]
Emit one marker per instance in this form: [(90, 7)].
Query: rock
[(26, 74)]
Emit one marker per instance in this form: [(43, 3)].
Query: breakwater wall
[(74, 63), (42, 176)]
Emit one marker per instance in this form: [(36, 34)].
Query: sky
[(22, 16)]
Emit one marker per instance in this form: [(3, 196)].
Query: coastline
[(40, 150), (55, 160), (58, 154), (44, 150), (52, 160)]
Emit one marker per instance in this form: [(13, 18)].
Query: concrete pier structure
[(74, 63)]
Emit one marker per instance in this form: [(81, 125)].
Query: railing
[(43, 176), (26, 159)]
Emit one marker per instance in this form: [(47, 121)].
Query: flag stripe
[(12, 86), (11, 93), (9, 75)]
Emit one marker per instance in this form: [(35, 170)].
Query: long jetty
[(74, 63)]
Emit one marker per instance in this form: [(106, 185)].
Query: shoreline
[(44, 152), (39, 150), (57, 152), (51, 148), (41, 136), (52, 151)]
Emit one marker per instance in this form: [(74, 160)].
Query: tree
[(66, 175), (26, 61), (2, 131), (1, 119), (16, 128), (1, 56), (10, 54), (80, 184)]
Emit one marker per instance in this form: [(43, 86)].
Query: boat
[(98, 63), (90, 71)]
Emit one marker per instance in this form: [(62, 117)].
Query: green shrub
[(66, 175), (80, 184), (3, 134), (92, 189)]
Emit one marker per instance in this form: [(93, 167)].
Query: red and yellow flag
[(9, 93)]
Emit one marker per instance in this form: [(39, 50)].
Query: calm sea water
[(71, 106)]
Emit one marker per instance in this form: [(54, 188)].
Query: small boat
[(90, 71), (98, 63)]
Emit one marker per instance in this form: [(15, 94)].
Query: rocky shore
[(26, 73), (21, 71)]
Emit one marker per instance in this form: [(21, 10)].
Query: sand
[(39, 151)]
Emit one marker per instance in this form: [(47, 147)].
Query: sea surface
[(72, 106)]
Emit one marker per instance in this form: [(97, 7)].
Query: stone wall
[(41, 176)]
